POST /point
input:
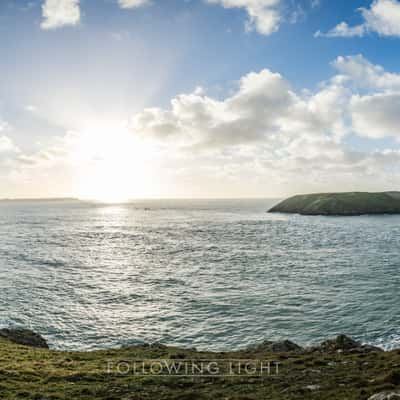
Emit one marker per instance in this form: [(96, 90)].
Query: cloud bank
[(276, 132), (265, 109), (264, 139)]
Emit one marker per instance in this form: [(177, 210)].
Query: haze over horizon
[(123, 99)]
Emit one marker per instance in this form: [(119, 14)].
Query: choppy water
[(210, 274)]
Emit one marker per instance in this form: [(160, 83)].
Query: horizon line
[(133, 199)]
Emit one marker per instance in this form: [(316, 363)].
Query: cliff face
[(351, 203)]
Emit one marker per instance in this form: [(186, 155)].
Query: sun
[(110, 163)]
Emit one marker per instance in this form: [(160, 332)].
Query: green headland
[(347, 204)]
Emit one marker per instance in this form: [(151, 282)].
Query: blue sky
[(79, 72)]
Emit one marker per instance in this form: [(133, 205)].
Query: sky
[(118, 99)]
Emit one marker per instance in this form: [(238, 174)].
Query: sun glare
[(111, 164)]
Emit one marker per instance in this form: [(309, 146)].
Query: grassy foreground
[(351, 203), (41, 374)]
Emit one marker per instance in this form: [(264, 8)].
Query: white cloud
[(343, 30), (263, 109), (6, 145), (376, 116), (3, 125), (120, 35), (59, 13), (383, 17), (9, 154), (366, 74), (198, 120), (31, 108), (264, 15), (315, 3), (133, 3)]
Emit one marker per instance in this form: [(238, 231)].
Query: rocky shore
[(339, 368)]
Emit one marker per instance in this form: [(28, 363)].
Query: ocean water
[(210, 274)]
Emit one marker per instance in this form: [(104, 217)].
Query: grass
[(29, 373), (351, 203)]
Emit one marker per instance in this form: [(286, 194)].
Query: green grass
[(351, 203), (28, 373)]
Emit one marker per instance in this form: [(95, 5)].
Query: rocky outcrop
[(25, 337), (284, 346), (343, 343), (386, 396)]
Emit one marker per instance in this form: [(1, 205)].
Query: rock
[(285, 346), (393, 377), (367, 348), (341, 342), (24, 337), (386, 396), (313, 387), (157, 345), (344, 343)]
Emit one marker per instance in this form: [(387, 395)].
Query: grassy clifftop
[(325, 373), (351, 203)]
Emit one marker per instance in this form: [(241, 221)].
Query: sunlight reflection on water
[(210, 274)]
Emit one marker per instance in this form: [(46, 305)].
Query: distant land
[(345, 204), (42, 199)]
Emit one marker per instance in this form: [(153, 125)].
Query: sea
[(210, 274)]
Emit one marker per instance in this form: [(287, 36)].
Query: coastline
[(338, 368)]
